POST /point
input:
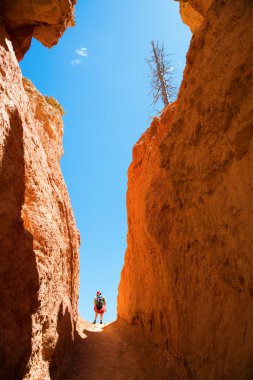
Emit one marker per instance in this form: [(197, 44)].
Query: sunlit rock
[(187, 280), (193, 12), (44, 20)]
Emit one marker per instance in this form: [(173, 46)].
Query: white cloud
[(82, 51), (171, 69), (76, 62)]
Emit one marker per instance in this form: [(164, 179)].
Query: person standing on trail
[(99, 306)]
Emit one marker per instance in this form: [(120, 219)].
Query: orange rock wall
[(39, 241), (190, 16), (44, 20), (187, 280), (193, 12)]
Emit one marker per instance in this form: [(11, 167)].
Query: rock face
[(193, 12), (187, 280), (44, 20), (38, 238), (190, 16)]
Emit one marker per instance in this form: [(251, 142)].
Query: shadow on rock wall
[(19, 281), (61, 356)]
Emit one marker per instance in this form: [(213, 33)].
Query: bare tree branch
[(162, 77)]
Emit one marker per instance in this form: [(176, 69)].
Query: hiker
[(99, 306)]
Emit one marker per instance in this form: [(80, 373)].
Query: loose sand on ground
[(115, 351)]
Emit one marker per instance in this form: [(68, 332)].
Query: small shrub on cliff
[(53, 102)]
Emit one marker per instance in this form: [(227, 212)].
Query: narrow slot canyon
[(185, 297)]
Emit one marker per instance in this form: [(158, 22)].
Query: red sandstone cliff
[(44, 20), (187, 280), (39, 241), (193, 12)]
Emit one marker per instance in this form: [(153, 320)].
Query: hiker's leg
[(96, 315)]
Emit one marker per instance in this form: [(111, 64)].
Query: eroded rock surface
[(39, 241), (187, 280), (44, 20), (193, 12)]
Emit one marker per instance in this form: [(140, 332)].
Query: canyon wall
[(187, 280), (39, 242), (193, 12), (44, 20)]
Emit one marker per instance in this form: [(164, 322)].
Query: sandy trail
[(114, 351)]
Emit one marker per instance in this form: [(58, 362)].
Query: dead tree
[(162, 78)]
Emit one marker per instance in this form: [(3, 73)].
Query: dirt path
[(114, 352)]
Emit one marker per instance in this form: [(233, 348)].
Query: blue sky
[(104, 89)]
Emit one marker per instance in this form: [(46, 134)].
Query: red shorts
[(100, 311)]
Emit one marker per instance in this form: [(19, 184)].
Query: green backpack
[(99, 301)]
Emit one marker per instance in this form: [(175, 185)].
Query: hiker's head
[(98, 293)]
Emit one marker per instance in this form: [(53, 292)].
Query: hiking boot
[(94, 322), (101, 322)]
